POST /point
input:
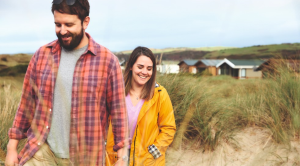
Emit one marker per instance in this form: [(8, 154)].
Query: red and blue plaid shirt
[(97, 92)]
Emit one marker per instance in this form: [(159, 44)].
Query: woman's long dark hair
[(148, 90)]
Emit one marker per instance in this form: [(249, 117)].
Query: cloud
[(121, 25)]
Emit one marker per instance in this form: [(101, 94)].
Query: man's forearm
[(12, 144)]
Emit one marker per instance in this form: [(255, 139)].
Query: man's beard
[(75, 41)]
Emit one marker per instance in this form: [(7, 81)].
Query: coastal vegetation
[(210, 112)]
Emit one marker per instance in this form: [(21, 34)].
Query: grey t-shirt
[(58, 138)]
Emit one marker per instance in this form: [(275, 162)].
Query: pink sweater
[(133, 113)]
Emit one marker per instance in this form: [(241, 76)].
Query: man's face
[(68, 29)]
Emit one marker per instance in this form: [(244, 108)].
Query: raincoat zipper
[(134, 142)]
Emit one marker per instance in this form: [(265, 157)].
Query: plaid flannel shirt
[(97, 91)]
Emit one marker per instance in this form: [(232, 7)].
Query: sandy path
[(253, 146)]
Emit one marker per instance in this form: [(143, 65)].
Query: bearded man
[(71, 87)]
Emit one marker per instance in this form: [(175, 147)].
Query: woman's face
[(142, 70)]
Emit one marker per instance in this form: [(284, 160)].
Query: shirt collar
[(55, 45)]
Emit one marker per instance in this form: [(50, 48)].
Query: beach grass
[(208, 110)]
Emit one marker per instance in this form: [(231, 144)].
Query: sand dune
[(250, 147)]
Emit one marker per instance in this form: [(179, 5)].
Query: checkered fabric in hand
[(154, 151)]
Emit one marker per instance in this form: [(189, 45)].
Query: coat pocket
[(111, 158)]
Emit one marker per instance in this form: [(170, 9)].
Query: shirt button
[(47, 127), (50, 109), (39, 143)]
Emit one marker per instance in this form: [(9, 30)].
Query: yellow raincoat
[(155, 125)]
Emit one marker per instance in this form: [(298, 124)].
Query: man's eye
[(69, 25), (58, 25)]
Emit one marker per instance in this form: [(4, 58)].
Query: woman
[(150, 113)]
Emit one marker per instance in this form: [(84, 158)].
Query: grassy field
[(10, 92), (208, 110)]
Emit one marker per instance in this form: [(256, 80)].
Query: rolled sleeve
[(15, 133)]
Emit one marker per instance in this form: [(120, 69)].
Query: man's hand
[(121, 153), (12, 153), (11, 158)]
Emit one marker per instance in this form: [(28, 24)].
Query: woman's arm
[(166, 122)]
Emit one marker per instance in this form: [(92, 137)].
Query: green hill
[(286, 50), (13, 65), (259, 51), (14, 70), (179, 49)]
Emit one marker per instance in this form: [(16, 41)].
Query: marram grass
[(211, 109)]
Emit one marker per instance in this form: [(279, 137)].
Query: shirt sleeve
[(26, 106), (166, 123), (116, 106)]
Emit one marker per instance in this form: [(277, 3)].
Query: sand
[(250, 147)]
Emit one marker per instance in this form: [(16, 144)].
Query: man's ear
[(86, 22)]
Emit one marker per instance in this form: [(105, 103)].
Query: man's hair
[(148, 90), (81, 8)]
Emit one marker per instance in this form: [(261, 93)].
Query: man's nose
[(63, 30)]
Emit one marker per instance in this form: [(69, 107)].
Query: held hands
[(122, 157)]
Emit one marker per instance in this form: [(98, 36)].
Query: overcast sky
[(124, 24)]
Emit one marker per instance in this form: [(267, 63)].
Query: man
[(70, 88)]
